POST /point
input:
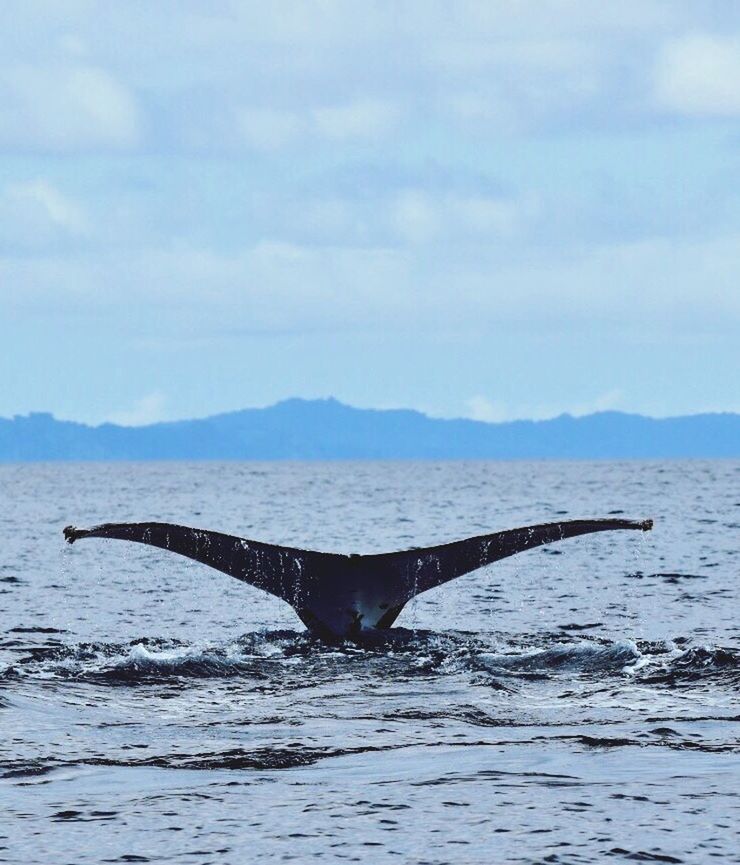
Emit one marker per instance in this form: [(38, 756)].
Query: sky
[(486, 209)]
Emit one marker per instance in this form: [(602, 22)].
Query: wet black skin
[(345, 596)]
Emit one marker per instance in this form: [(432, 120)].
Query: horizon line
[(384, 409)]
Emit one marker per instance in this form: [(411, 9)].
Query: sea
[(577, 703)]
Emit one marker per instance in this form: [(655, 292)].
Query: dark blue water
[(577, 703)]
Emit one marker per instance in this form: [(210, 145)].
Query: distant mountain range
[(326, 429)]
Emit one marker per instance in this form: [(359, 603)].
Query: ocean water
[(576, 703)]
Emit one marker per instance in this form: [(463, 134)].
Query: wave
[(288, 757), (291, 657), (686, 666), (295, 754), (586, 657)]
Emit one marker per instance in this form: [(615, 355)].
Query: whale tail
[(340, 596)]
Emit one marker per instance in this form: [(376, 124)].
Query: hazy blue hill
[(327, 429)]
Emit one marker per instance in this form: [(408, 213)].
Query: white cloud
[(361, 119), (59, 209), (403, 170), (147, 410), (341, 69), (497, 411), (269, 129), (699, 75), (416, 216), (66, 108), (491, 411), (212, 77), (35, 214), (419, 217), (484, 215), (667, 286)]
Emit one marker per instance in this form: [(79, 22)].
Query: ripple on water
[(587, 713)]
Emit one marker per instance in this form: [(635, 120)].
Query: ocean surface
[(576, 703)]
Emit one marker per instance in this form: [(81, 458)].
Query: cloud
[(66, 108), (416, 217), (36, 215), (147, 410), (497, 411), (361, 119), (419, 216), (699, 75), (271, 129), (215, 79), (490, 411), (666, 287), (475, 178), (512, 86)]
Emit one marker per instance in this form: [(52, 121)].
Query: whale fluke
[(340, 596)]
